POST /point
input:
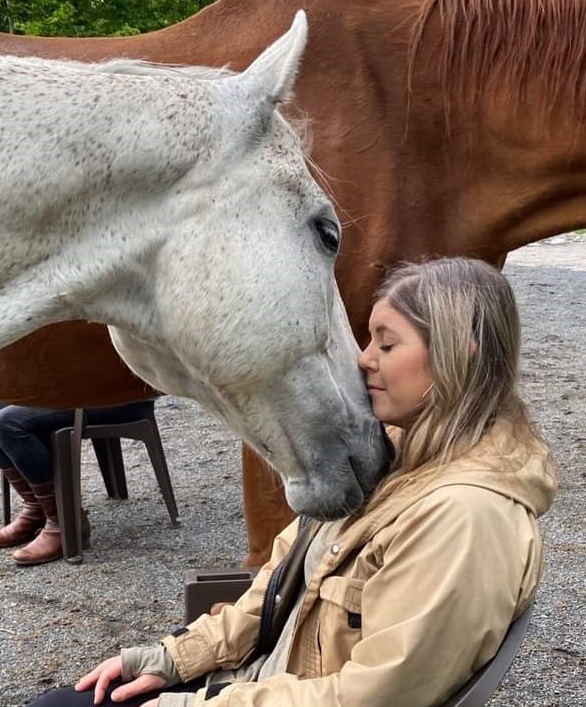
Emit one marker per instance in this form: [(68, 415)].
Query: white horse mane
[(132, 67), (139, 67)]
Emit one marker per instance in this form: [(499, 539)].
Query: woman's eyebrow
[(384, 329)]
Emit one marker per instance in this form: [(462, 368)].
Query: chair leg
[(108, 452), (5, 500), (67, 481), (156, 454)]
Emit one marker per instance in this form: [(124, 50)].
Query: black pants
[(68, 697)]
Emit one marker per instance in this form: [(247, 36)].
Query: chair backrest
[(480, 688)]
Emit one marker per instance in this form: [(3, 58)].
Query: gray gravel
[(57, 621)]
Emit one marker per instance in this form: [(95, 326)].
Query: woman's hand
[(109, 670)]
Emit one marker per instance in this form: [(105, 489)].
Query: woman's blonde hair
[(465, 312)]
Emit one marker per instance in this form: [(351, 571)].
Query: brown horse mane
[(508, 44)]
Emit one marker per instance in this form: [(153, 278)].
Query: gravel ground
[(58, 620)]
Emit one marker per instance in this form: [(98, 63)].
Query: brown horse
[(439, 126)]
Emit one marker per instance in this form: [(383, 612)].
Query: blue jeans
[(25, 434)]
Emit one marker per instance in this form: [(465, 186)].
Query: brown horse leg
[(265, 509)]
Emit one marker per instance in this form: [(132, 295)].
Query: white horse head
[(177, 208)]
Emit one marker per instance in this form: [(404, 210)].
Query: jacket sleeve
[(226, 639), (437, 608)]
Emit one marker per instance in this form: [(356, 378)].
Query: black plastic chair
[(5, 500), (481, 686), (106, 440), (203, 588), (109, 457)]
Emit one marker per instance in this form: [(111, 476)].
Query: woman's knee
[(9, 426), (19, 424), (11, 422)]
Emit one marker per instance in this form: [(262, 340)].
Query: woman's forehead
[(384, 318)]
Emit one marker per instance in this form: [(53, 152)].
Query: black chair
[(481, 686), (109, 456), (5, 500), (106, 440), (203, 588), (66, 443)]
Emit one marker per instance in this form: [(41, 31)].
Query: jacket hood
[(510, 460)]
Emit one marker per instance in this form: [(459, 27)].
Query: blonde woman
[(403, 602)]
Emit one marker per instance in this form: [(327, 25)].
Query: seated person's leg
[(120, 413), (24, 460), (68, 697), (30, 518), (25, 439)]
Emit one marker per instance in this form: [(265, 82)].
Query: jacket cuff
[(148, 660), (191, 654)]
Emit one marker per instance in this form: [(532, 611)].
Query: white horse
[(176, 207)]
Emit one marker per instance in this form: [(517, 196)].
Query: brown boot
[(47, 547), (31, 517)]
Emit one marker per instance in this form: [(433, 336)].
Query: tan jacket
[(435, 570)]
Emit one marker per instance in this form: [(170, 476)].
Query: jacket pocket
[(340, 620)]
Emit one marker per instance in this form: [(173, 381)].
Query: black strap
[(215, 688), (285, 583)]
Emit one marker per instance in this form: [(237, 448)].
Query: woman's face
[(395, 365)]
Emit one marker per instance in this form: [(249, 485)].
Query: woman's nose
[(366, 361)]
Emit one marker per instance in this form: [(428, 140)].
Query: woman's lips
[(373, 389)]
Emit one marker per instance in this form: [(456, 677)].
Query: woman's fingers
[(86, 681), (139, 686), (100, 676), (102, 683)]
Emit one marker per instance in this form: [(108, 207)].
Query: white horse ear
[(272, 75)]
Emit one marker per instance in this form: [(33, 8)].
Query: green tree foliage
[(87, 18)]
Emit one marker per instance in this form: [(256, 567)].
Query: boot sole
[(32, 563), (85, 544)]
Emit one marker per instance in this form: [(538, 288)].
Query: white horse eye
[(329, 234)]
